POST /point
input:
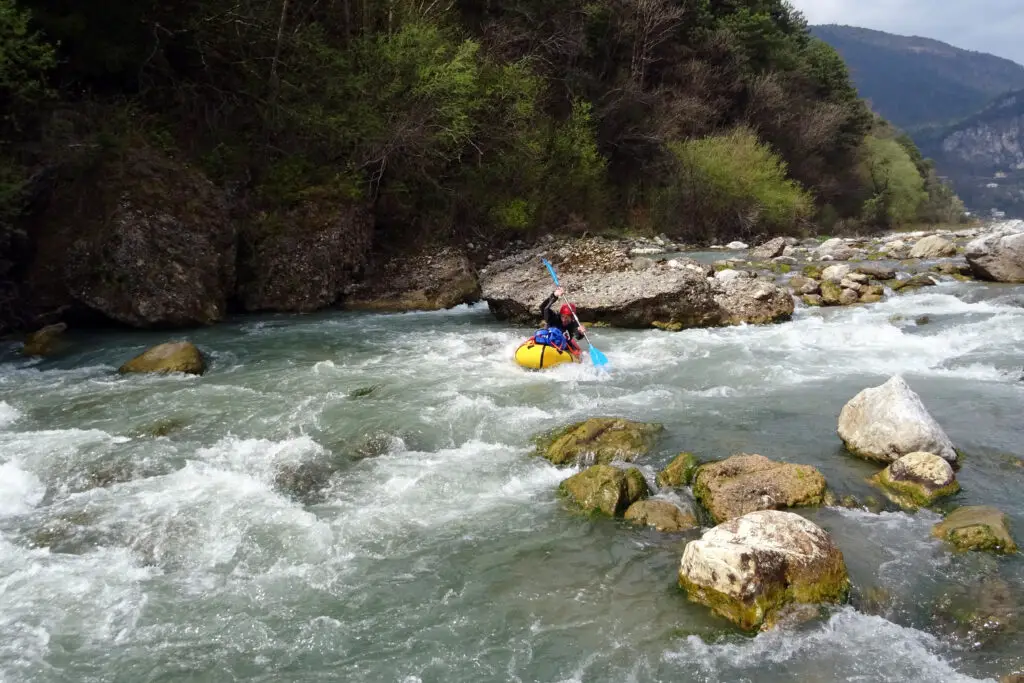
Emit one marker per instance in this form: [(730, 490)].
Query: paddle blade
[(597, 358)]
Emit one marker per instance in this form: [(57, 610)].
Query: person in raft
[(563, 320)]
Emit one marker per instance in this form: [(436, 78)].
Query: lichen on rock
[(749, 568), (917, 480), (745, 483), (598, 440)]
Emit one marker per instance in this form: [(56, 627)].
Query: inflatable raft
[(544, 351)]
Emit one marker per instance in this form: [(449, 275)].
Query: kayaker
[(563, 319)]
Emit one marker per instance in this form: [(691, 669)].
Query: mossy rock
[(679, 472), (663, 515), (45, 342), (977, 528), (911, 284), (171, 357), (751, 568), (603, 489), (813, 272), (917, 480), (831, 293), (746, 483), (813, 300), (598, 440), (667, 327)]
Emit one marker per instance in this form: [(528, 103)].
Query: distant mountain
[(915, 82)]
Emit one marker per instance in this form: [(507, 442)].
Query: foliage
[(897, 186), (733, 184)]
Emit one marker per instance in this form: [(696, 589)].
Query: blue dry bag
[(551, 336)]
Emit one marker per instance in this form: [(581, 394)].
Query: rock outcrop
[(889, 421), (997, 257), (746, 483), (977, 528), (430, 281), (601, 278), (599, 440), (141, 239), (749, 568), (302, 260), (917, 480), (170, 357), (662, 514), (605, 489)]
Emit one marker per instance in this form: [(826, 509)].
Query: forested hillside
[(340, 126), (915, 81)]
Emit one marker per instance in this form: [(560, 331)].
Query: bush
[(897, 186), (731, 185)]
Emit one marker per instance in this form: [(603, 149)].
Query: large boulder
[(917, 480), (977, 528), (662, 514), (423, 281), (998, 257), (605, 489), (886, 422), (752, 300), (600, 277), (302, 259), (749, 568), (170, 357), (745, 483), (933, 246), (768, 250), (598, 440), (141, 239)]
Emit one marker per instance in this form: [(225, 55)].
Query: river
[(145, 534)]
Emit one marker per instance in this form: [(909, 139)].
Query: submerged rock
[(745, 483), (171, 357), (44, 342), (679, 472), (751, 567), (598, 440), (917, 480), (422, 281), (605, 489), (889, 421), (997, 257), (977, 528), (662, 514)]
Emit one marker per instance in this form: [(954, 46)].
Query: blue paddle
[(596, 357)]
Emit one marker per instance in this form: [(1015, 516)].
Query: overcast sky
[(993, 26)]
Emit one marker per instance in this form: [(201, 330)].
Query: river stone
[(917, 480), (768, 250), (744, 483), (876, 271), (813, 300), (679, 472), (421, 281), (912, 283), (977, 527), (933, 246), (998, 257), (848, 297), (831, 293), (605, 489), (889, 421), (749, 568), (836, 273), (44, 342), (736, 245), (663, 515), (171, 357), (598, 440), (753, 301)]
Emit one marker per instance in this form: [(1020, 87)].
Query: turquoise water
[(151, 528)]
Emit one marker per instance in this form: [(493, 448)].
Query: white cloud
[(993, 26)]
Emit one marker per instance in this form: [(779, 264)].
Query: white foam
[(8, 414), (849, 646), (20, 491)]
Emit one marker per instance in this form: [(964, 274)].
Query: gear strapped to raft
[(551, 336)]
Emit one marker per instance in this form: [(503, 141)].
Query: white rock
[(998, 257), (933, 246), (728, 274), (889, 421), (927, 468), (836, 273), (736, 245)]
